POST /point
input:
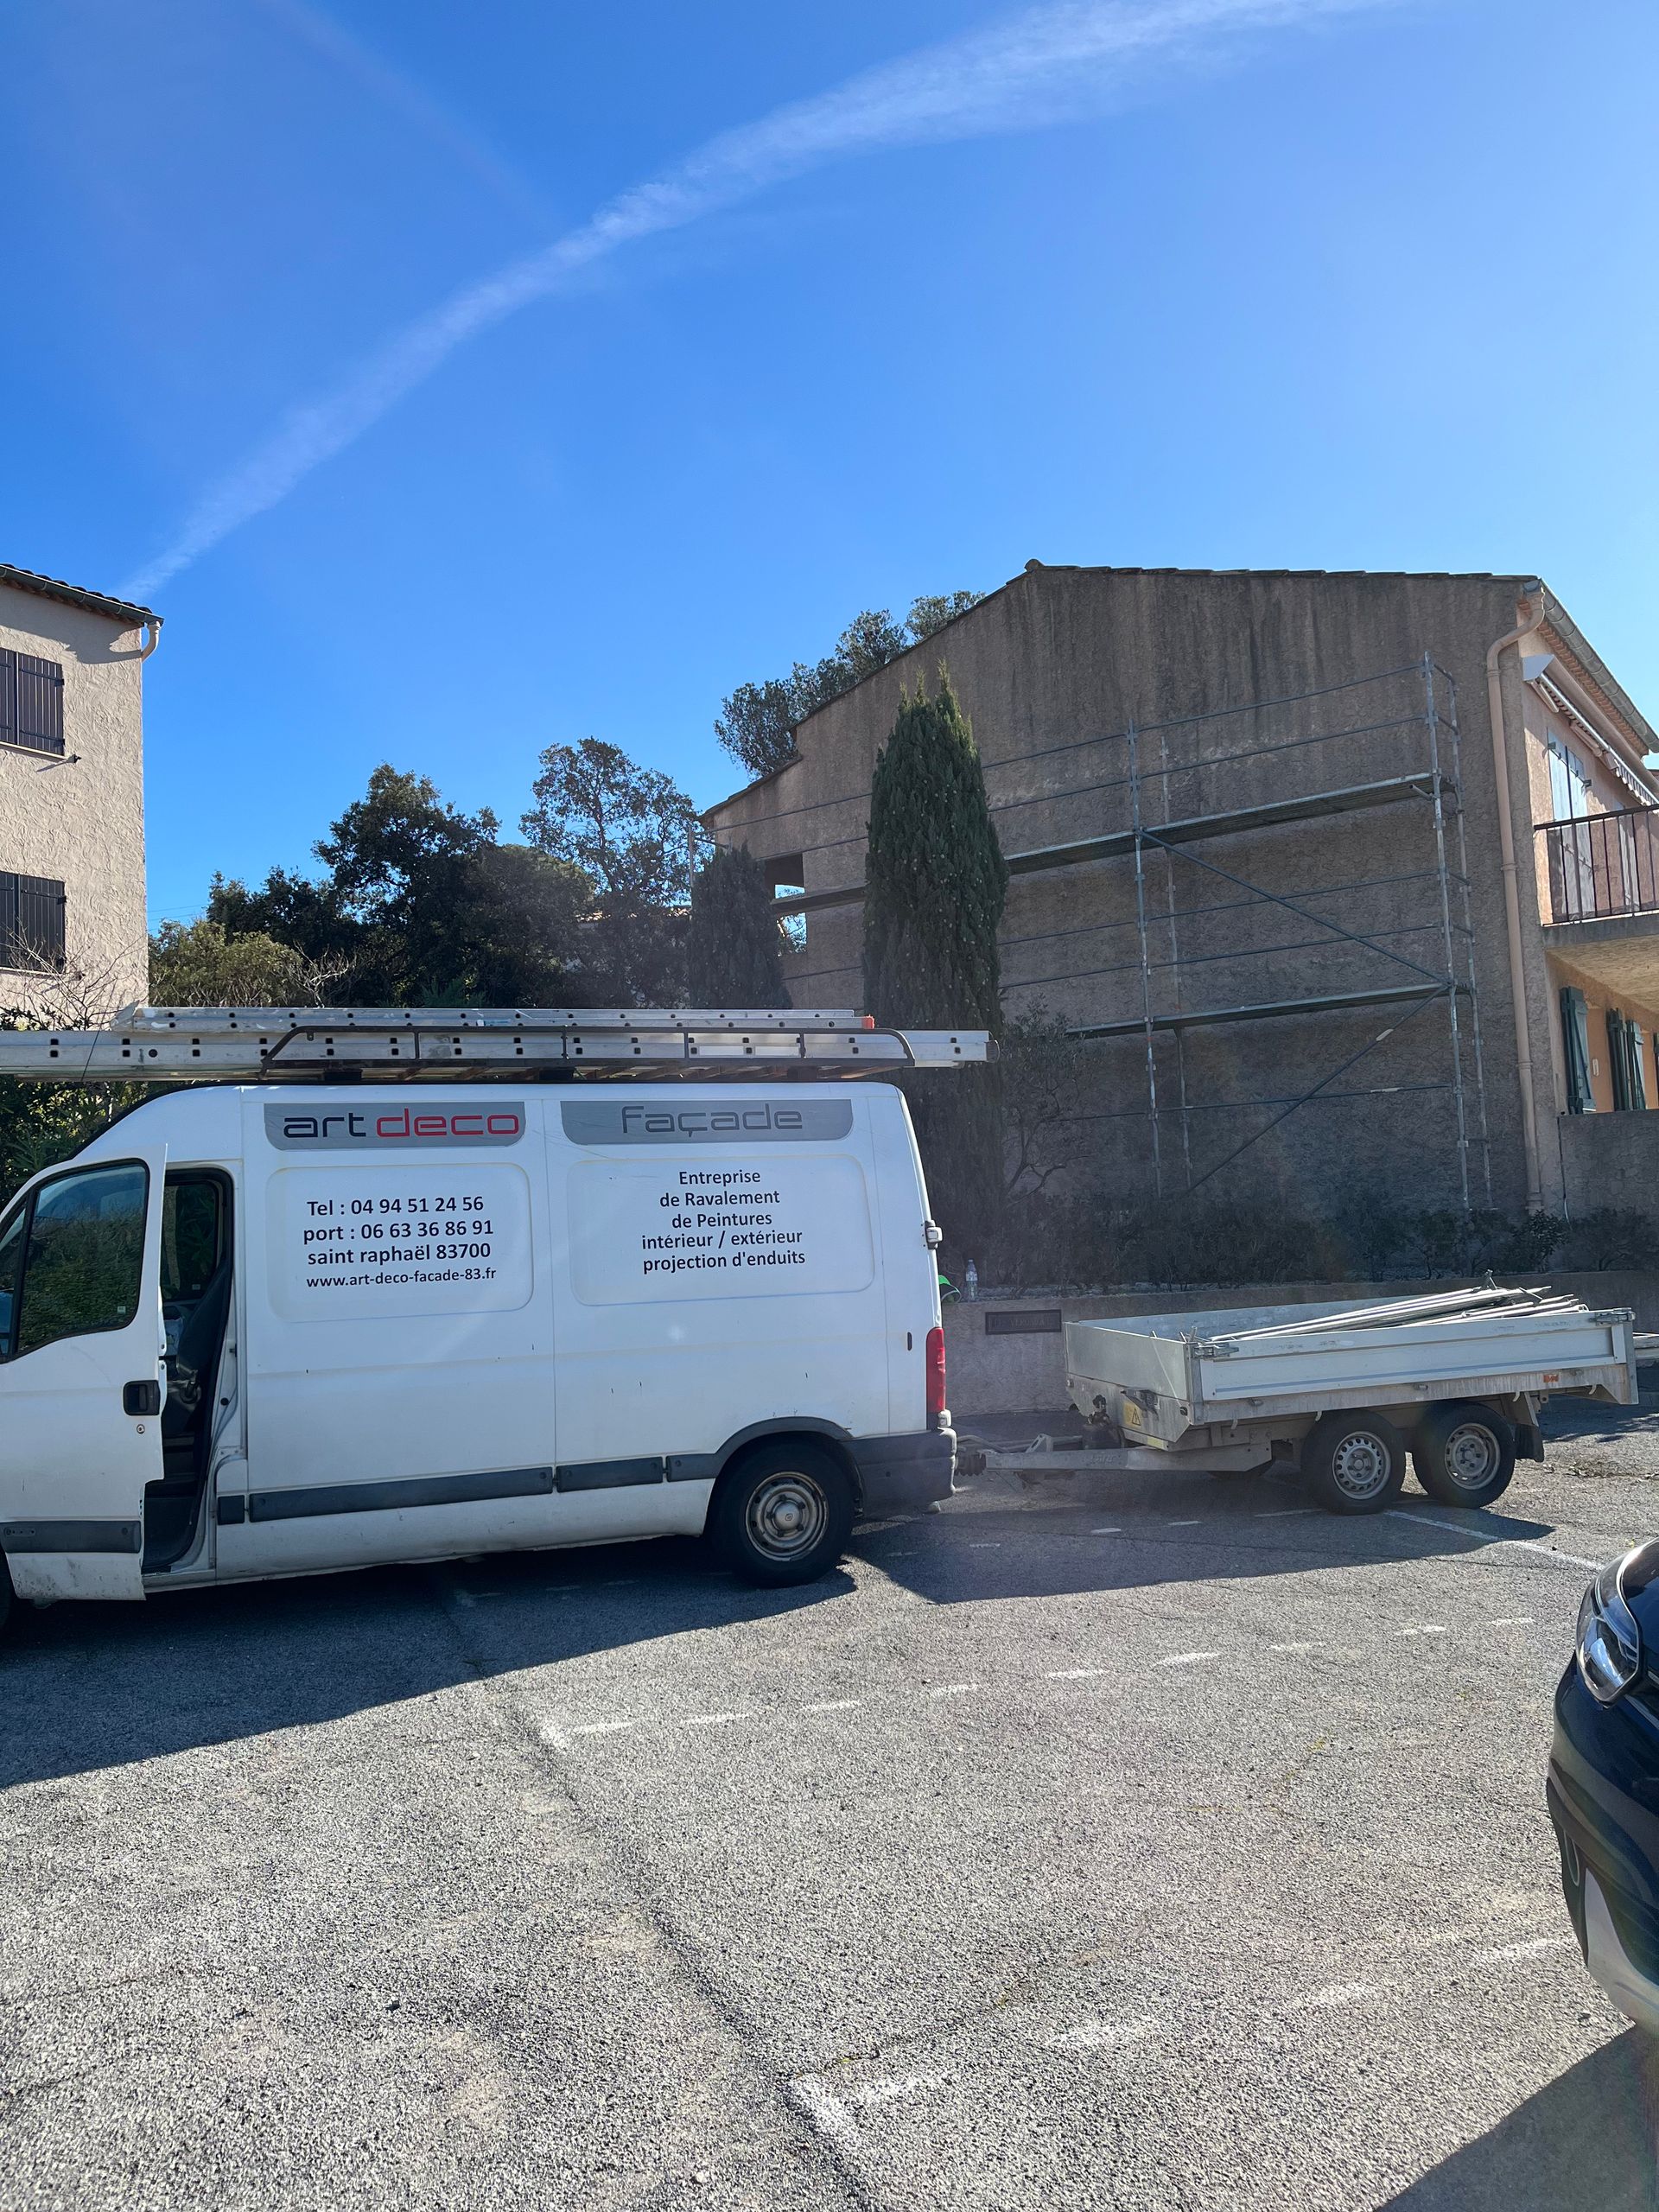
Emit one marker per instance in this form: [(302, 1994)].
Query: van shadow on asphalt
[(1589, 2138), (85, 1687)]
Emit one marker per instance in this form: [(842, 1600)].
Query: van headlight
[(1610, 1642)]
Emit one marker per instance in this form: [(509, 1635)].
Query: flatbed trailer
[(1457, 1379)]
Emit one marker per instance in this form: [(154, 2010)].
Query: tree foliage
[(935, 878), (198, 964), (757, 722), (1046, 1078), (41, 1124), (636, 836), (734, 947), (420, 907), (935, 881)]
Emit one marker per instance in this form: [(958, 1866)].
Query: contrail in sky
[(1045, 66)]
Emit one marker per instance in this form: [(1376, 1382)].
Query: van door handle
[(142, 1398)]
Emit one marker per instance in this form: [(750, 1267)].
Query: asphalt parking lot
[(1167, 1845)]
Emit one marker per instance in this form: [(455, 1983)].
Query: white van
[(260, 1331)]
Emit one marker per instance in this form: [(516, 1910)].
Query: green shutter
[(1618, 1063), (1639, 1045), (1576, 1039)]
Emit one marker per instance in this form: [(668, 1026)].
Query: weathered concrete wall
[(1021, 1373), (1052, 669), (1610, 1159), (80, 822)]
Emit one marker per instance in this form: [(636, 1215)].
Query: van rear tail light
[(936, 1377)]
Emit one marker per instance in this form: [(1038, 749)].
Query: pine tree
[(935, 881), (736, 947)]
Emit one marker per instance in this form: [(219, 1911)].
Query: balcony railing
[(1603, 864)]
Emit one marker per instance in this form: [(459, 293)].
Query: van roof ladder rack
[(253, 1044)]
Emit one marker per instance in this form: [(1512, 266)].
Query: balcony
[(1602, 872), (1602, 865)]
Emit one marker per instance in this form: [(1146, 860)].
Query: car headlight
[(1610, 1642)]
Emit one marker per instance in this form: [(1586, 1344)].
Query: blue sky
[(1208, 283)]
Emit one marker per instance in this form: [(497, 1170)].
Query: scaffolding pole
[(1438, 782)]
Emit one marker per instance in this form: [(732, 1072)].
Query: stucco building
[(1348, 880), (72, 793)]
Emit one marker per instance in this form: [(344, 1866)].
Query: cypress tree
[(735, 949), (935, 882)]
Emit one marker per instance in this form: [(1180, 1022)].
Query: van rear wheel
[(783, 1515)]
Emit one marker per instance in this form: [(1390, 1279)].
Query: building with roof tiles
[(71, 794), (1347, 882)]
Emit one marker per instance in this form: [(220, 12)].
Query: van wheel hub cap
[(1470, 1455), (1360, 1464), (787, 1516)]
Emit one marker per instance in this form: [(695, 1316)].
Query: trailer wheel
[(1463, 1453), (783, 1515), (1355, 1463)]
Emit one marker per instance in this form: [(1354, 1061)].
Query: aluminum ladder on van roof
[(253, 1044)]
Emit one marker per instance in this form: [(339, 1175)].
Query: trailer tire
[(783, 1514), (1463, 1453), (1354, 1463)]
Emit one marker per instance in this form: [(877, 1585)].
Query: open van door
[(81, 1375)]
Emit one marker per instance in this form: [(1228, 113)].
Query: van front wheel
[(784, 1513)]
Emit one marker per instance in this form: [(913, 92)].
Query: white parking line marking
[(1423, 1628), (1106, 1532), (1180, 1524), (887, 2092), (953, 1689), (995, 1546), (712, 1719), (834, 1705), (1339, 1993), (827, 2113), (1513, 1620), (602, 1727), (1187, 1658), (1099, 2035), (1073, 1674), (1536, 1949), (466, 1597), (1480, 1536), (1283, 1512), (1292, 1647)]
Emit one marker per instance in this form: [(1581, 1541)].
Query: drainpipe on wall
[(1530, 608), (154, 626)]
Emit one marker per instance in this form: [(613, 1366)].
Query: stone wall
[(1610, 1159)]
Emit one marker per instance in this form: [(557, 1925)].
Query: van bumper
[(895, 1472)]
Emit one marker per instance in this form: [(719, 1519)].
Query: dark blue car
[(1602, 1789)]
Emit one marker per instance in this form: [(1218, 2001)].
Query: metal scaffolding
[(1273, 763), (1430, 784)]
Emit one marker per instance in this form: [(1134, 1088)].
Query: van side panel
[(398, 1348), (716, 1280), (910, 1269)]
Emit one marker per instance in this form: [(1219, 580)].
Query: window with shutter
[(31, 922), (31, 702), (1575, 1038)]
